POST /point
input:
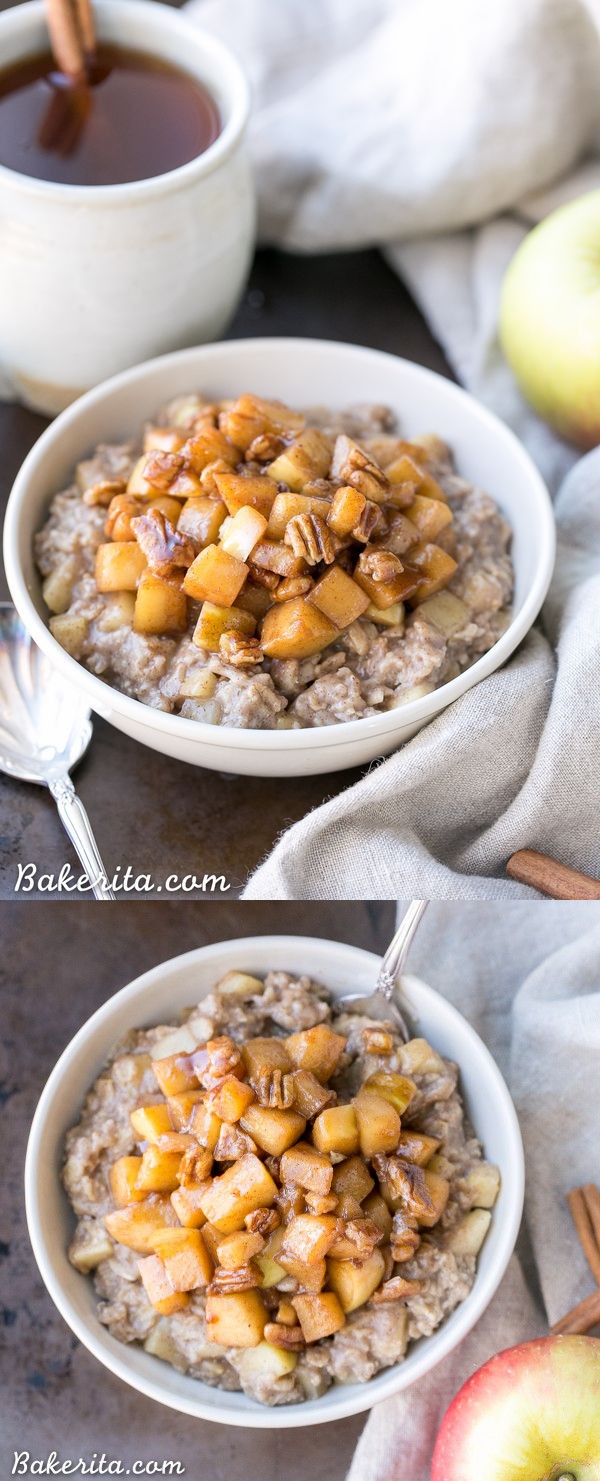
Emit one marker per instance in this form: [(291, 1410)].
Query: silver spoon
[(379, 1003), (45, 729)]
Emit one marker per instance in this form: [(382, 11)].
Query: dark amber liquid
[(138, 117)]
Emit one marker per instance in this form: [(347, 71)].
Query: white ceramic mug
[(95, 278)]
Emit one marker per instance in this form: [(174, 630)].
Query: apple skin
[(531, 1414), (550, 319)]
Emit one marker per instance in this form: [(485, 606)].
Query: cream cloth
[(441, 132), (528, 978)]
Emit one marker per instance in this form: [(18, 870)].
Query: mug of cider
[(126, 226)]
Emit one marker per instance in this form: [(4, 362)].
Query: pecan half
[(240, 650), (264, 447), (161, 469), (405, 1238), (262, 1221), (104, 491), (164, 548), (293, 586), (268, 579), (357, 1239), (408, 1183), (370, 522), (216, 1059), (351, 465), (310, 539), (377, 1041), (274, 1088), (283, 1336), (396, 1289), (195, 1165), (121, 510), (380, 565), (245, 1278), (232, 1143), (319, 488)]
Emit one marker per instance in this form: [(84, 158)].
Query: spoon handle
[(398, 948), (75, 820)]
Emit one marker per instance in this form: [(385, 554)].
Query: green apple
[(550, 319), (531, 1414)]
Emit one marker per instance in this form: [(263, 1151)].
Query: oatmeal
[(256, 567), (274, 1197)]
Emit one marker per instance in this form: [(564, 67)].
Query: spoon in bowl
[(379, 1004), (45, 729)]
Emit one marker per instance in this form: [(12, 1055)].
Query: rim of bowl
[(105, 697), (389, 1381), (23, 19)]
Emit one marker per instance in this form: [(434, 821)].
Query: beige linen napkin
[(413, 124), (528, 978), (513, 764)]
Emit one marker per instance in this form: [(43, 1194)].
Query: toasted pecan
[(396, 1289), (310, 539), (239, 650), (282, 1335), (164, 548)]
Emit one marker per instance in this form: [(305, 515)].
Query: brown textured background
[(58, 963)]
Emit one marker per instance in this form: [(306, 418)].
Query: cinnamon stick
[(550, 877), (591, 1196), (65, 38), (86, 24), (581, 1319), (584, 1204), (578, 1204)]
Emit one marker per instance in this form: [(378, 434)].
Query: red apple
[(531, 1414)]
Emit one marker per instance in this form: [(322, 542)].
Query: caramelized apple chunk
[(236, 1319), (295, 629), (317, 1049), (215, 577), (245, 1185), (320, 1315), (158, 1287), (305, 1167)]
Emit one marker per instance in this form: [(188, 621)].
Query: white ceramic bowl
[(301, 372), (157, 997)]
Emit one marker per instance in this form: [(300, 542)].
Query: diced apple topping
[(354, 1284), (243, 1187), (123, 1177), (317, 1049), (397, 1089), (215, 577), (468, 1236), (295, 534), (319, 1315), (307, 1168), (252, 1175), (158, 1288), (236, 1319)]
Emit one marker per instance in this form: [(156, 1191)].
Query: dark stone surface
[(58, 965), (162, 816)]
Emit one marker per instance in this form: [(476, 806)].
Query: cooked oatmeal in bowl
[(248, 565), (274, 1197)]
